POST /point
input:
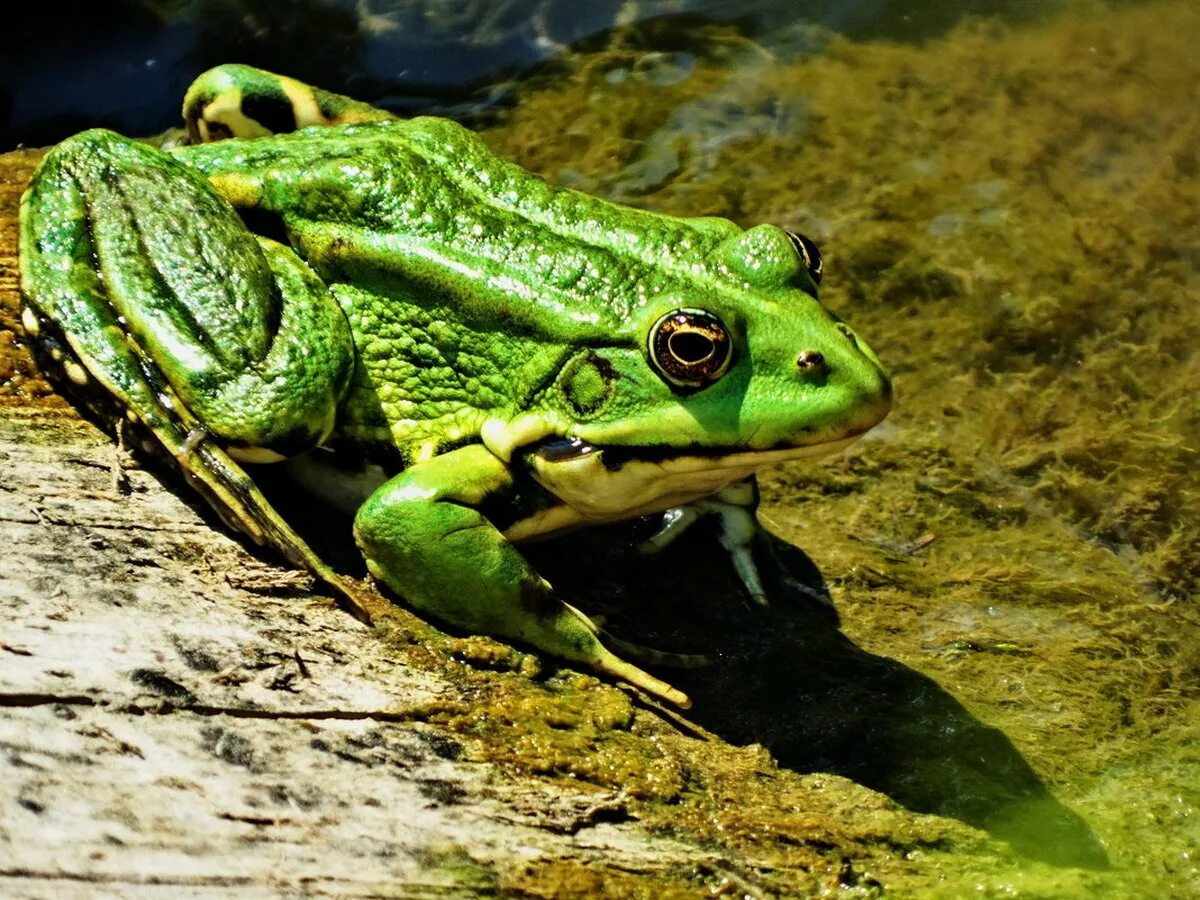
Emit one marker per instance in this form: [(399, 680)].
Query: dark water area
[(124, 65)]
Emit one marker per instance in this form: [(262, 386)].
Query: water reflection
[(73, 65)]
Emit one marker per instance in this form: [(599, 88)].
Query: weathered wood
[(164, 725)]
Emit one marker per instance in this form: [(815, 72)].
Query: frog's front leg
[(423, 535), (736, 508)]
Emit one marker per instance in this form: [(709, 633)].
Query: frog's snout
[(845, 384), (871, 394)]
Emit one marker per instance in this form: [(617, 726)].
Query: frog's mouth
[(614, 458), (605, 483)]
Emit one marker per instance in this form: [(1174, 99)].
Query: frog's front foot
[(735, 507)]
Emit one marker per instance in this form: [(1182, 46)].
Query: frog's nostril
[(810, 362)]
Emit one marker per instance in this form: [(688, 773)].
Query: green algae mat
[(992, 617), (1012, 217)]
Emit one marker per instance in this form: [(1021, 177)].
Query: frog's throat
[(592, 489)]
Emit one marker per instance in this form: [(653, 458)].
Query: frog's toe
[(240, 101), (655, 657), (675, 521), (594, 649), (608, 663), (734, 507), (641, 652)]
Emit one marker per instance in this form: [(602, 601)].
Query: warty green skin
[(412, 300), (469, 284)]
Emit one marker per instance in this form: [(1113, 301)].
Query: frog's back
[(425, 200), (466, 280)]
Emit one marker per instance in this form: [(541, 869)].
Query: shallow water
[(1008, 210), (1008, 213), (459, 59)]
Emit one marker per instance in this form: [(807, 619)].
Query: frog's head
[(739, 370)]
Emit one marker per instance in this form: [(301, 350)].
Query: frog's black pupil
[(808, 252), (690, 347)]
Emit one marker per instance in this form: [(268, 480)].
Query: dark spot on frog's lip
[(616, 457), (563, 449)]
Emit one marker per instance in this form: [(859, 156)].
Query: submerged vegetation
[(1012, 217)]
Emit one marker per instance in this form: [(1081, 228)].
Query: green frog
[(463, 355)]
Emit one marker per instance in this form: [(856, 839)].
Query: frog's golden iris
[(690, 348)]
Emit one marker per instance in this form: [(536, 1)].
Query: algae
[(1009, 215)]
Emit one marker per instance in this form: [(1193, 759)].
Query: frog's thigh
[(78, 291), (422, 536), (119, 235)]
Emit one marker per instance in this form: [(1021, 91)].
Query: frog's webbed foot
[(735, 507), (245, 102), (422, 535)]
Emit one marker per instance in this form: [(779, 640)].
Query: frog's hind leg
[(651, 655), (145, 284), (245, 102)]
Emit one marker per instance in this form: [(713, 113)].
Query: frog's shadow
[(787, 678)]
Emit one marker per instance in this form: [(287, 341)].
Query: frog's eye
[(808, 253), (690, 348)]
